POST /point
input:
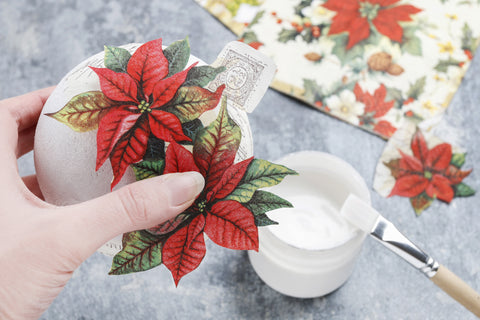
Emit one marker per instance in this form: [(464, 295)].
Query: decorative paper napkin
[(372, 63), (423, 163)]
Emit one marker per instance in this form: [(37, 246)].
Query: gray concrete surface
[(40, 41)]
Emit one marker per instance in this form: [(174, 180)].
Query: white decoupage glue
[(313, 224), (312, 249)]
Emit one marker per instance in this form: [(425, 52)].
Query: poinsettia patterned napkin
[(419, 165), (372, 63)]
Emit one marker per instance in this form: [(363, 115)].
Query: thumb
[(137, 206)]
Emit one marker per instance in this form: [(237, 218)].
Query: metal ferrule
[(385, 232)]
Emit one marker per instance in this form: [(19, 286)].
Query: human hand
[(42, 244)]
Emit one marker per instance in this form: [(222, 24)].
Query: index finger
[(17, 114), (25, 109)]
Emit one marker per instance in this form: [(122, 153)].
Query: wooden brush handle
[(457, 289)]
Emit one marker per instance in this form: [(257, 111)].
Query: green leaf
[(307, 35), (116, 59), (313, 92), (286, 35), (458, 159), (191, 128), (148, 169), (395, 168), (262, 220), (395, 95), (340, 48), (257, 18), (417, 88), (468, 40), (155, 149), (249, 37), (141, 251), (411, 43), (201, 76), (260, 174), (302, 5), (263, 201), (463, 190), (84, 111), (443, 65), (177, 55), (420, 203), (191, 102)]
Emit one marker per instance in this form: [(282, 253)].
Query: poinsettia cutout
[(148, 101), (429, 174), (144, 96), (375, 107), (228, 210), (358, 17)]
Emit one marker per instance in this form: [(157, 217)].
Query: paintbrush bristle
[(359, 213)]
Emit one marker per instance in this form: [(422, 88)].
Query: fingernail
[(184, 187)]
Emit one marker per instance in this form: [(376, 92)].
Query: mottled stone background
[(41, 41)]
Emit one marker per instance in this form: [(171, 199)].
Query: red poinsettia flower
[(226, 222), (428, 170), (375, 107), (356, 17), (138, 96)]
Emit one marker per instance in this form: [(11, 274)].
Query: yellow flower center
[(202, 205), (446, 47), (144, 106), (369, 10)]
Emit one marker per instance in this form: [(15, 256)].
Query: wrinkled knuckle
[(134, 204)]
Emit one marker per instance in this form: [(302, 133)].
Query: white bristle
[(359, 213)]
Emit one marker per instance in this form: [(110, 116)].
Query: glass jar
[(303, 259)]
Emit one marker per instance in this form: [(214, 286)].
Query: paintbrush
[(364, 217)]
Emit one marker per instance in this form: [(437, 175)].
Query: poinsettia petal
[(456, 175), (440, 188), (215, 147), (419, 146), (380, 106), (388, 26), (410, 164), (179, 159), (184, 250), (129, 149), (439, 157), (148, 65), (341, 5), (359, 94), (409, 186), (166, 126), (229, 181), (385, 128), (113, 126), (359, 30), (231, 225), (399, 13), (342, 21), (117, 86), (380, 93), (165, 89)]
